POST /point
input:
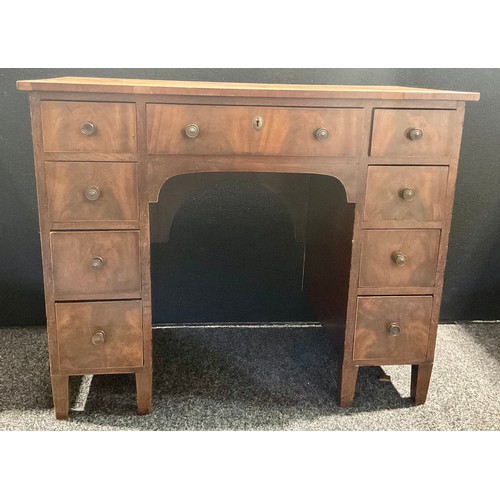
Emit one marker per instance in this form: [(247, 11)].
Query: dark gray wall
[(472, 286), (472, 280)]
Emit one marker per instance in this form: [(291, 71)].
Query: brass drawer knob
[(394, 329), (98, 338), (192, 130), (415, 134), (88, 128), (96, 263), (322, 134), (399, 258), (92, 193), (408, 194)]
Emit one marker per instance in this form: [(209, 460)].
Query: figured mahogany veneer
[(92, 192), (373, 340), (377, 169), (392, 132), (379, 266), (229, 130), (99, 335), (385, 193), (115, 127), (116, 270)]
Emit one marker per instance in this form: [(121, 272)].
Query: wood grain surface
[(119, 325), (384, 199), (378, 268), (67, 183), (114, 122), (391, 128), (226, 130), (71, 256), (372, 339), (174, 87)]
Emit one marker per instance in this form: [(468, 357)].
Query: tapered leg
[(60, 394), (144, 386), (348, 374), (420, 378)]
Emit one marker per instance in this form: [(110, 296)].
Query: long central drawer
[(225, 130)]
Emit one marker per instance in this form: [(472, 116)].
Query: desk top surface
[(234, 89)]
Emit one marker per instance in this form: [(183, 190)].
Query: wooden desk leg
[(144, 387), (420, 378), (348, 375), (60, 394)]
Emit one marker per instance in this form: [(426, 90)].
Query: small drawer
[(397, 258), (412, 132), (227, 130), (95, 263), (411, 193), (79, 127), (88, 192), (392, 328), (97, 335)]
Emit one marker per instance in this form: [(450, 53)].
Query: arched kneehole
[(229, 247)]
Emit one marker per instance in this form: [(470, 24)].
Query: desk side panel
[(43, 217)]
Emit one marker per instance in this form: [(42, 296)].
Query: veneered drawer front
[(412, 193), (225, 130), (95, 335), (95, 262), (392, 328), (91, 191), (392, 132), (399, 258), (64, 123)]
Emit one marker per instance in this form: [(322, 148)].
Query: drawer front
[(394, 258), (394, 132), (86, 192), (97, 262), (405, 193), (67, 127), (392, 328), (225, 130), (95, 335)]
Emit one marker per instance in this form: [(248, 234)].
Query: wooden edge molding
[(172, 87)]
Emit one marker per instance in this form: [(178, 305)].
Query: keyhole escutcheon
[(257, 123)]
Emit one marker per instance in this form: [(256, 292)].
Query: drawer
[(412, 132), (397, 258), (88, 127), (226, 130), (95, 262), (96, 335), (392, 328), (412, 193), (86, 192)]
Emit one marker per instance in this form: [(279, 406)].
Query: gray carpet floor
[(247, 378)]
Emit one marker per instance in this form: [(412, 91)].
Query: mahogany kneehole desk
[(375, 238)]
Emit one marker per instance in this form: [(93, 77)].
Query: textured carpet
[(281, 378)]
